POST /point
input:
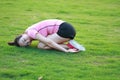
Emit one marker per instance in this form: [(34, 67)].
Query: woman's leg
[(56, 38)]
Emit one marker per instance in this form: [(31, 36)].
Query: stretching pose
[(51, 34)]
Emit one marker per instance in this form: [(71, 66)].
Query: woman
[(51, 33)]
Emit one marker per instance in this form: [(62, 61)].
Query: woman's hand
[(73, 50)]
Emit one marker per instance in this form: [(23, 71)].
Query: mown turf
[(97, 23)]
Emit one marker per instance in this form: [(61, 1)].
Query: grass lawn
[(97, 23)]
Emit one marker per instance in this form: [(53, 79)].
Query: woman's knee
[(41, 45)]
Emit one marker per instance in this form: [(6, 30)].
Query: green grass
[(98, 28)]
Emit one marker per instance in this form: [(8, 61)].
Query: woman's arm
[(44, 46), (51, 43)]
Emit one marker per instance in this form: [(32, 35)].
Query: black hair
[(15, 42)]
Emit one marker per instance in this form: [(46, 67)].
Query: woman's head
[(21, 40)]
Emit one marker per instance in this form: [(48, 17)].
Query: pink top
[(45, 27)]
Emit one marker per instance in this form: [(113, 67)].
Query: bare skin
[(50, 42), (57, 39), (25, 40)]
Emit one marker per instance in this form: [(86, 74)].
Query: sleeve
[(32, 33)]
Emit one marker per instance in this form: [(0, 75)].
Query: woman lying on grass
[(51, 34)]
